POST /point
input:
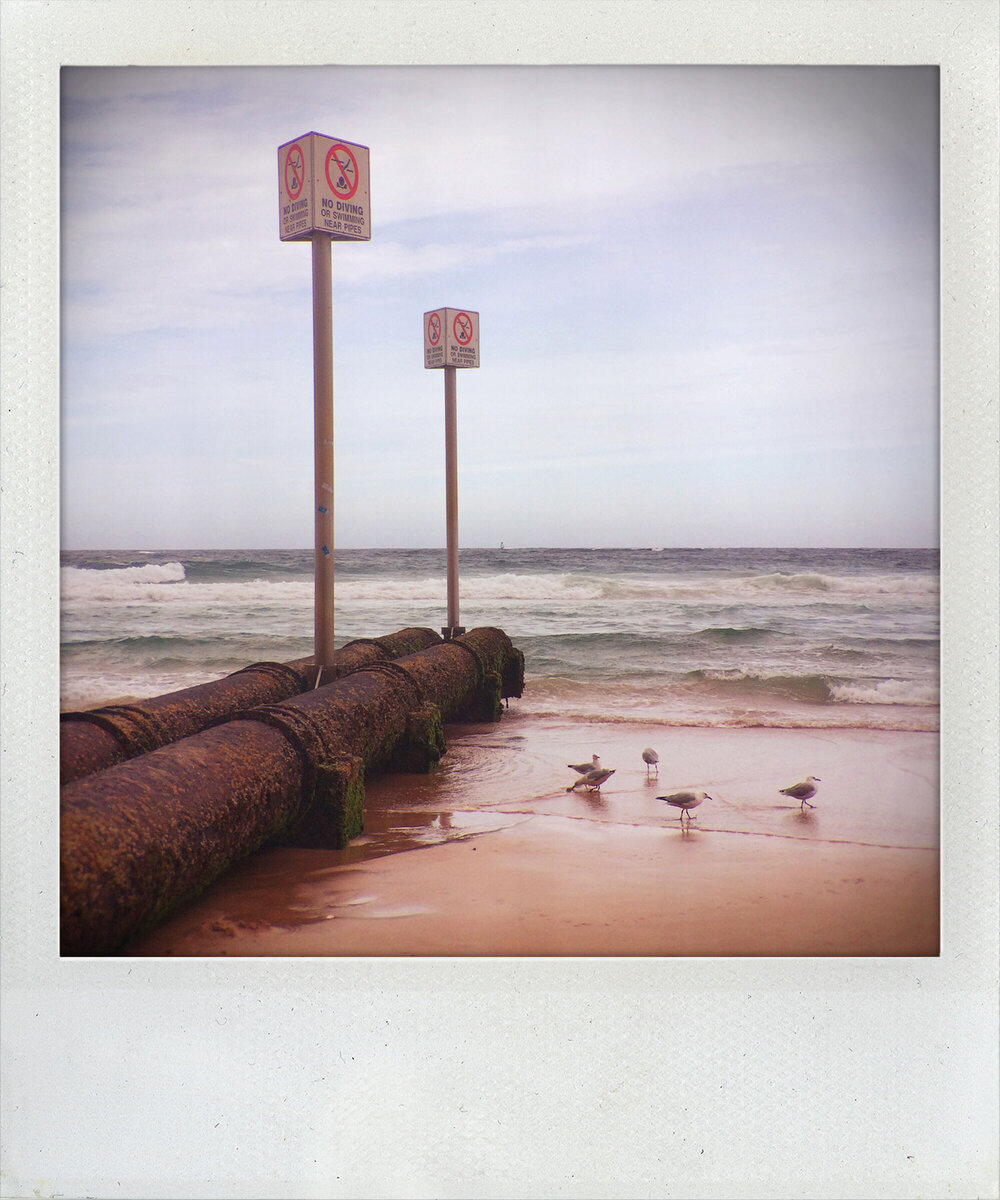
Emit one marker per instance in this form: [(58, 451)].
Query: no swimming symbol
[(342, 171), (462, 325), (295, 171), (434, 329)]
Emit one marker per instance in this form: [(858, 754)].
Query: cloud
[(678, 270)]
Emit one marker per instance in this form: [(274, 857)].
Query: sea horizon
[(66, 550)]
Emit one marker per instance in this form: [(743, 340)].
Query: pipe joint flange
[(278, 670), (397, 672), (136, 729), (363, 642), (306, 733), (475, 654)]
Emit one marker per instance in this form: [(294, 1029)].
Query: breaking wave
[(805, 689), (117, 583)]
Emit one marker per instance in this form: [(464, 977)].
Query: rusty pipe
[(91, 741), (499, 674), (150, 832)]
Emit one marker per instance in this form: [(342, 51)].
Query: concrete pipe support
[(141, 837)]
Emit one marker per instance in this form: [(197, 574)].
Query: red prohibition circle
[(463, 333), (434, 329), (294, 186), (343, 170)]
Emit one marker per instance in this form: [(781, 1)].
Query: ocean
[(785, 638)]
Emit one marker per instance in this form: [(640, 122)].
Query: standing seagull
[(651, 759), (685, 801), (592, 780), (803, 791), (585, 768)]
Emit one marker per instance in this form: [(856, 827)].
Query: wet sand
[(490, 855)]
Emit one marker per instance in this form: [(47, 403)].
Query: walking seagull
[(585, 768), (685, 801), (651, 759), (803, 791), (593, 779)]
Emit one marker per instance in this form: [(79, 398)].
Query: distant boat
[(501, 546)]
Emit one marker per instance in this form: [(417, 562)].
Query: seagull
[(584, 768), (803, 791), (685, 801), (593, 779), (651, 759)]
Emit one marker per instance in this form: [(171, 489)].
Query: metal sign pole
[(451, 496), (451, 340), (323, 451), (323, 197)]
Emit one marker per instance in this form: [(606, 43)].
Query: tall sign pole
[(323, 448), (451, 340), (323, 197), (451, 497)]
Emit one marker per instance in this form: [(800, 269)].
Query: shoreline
[(490, 855)]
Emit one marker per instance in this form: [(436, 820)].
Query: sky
[(708, 304)]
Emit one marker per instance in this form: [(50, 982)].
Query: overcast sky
[(708, 302)]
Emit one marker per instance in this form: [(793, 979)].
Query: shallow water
[(878, 796), (520, 767)]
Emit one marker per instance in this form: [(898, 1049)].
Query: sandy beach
[(490, 855)]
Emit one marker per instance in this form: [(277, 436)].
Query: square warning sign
[(323, 187), (451, 338)]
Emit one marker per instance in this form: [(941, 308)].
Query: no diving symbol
[(462, 326), (295, 171), (342, 171), (434, 329)]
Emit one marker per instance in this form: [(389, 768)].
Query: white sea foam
[(92, 688), (166, 582), (832, 588), (773, 588), (82, 583), (639, 712), (886, 691)]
